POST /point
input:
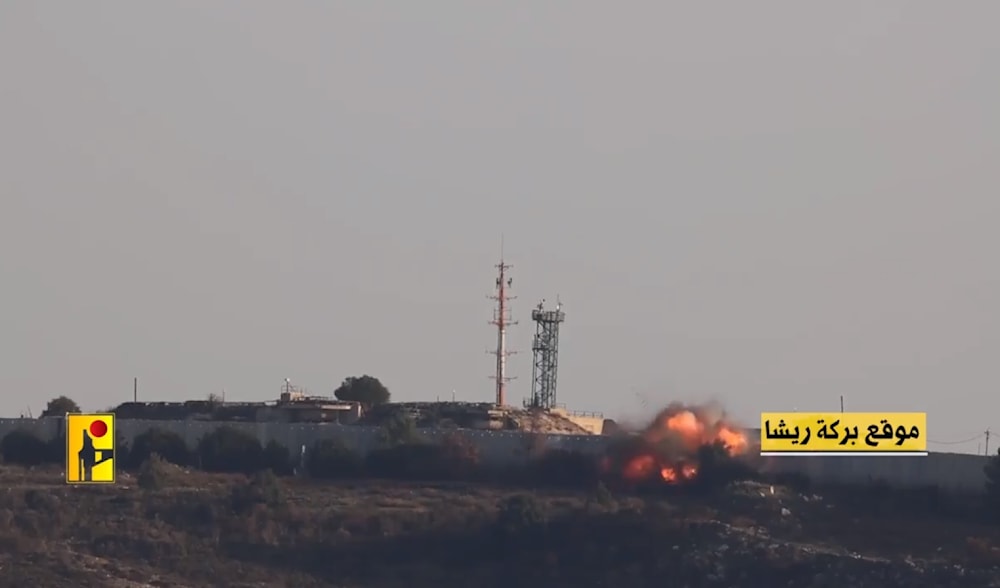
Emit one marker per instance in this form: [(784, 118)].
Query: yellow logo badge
[(90, 449)]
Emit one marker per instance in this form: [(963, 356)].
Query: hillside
[(198, 529)]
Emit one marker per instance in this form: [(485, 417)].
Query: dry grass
[(187, 533)]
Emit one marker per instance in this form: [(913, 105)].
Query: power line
[(971, 439)]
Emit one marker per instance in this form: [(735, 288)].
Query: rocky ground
[(198, 529)]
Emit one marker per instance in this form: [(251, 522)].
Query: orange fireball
[(668, 448)]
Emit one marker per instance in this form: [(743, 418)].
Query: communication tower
[(546, 355), (502, 320)]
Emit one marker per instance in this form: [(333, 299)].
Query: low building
[(297, 409)]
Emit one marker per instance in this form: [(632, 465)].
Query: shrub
[(166, 445), (560, 467), (399, 429), (123, 452), (929, 499), (24, 448), (330, 459), (604, 498), (452, 459), (262, 488), (41, 500), (520, 512), (230, 450), (152, 473), (408, 461), (56, 449), (277, 458)]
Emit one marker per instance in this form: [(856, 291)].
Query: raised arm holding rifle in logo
[(88, 457)]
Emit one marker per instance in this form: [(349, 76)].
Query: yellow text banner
[(843, 432)]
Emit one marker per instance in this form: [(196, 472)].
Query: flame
[(682, 473), (734, 441), (686, 423), (694, 432), (640, 467), (669, 446)]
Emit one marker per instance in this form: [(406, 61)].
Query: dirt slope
[(193, 532)]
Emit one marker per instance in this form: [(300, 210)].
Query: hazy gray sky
[(767, 204)]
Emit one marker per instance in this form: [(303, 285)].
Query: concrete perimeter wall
[(947, 470), (952, 471)]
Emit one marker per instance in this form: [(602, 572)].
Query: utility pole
[(502, 320), (987, 442), (841, 403), (135, 389)]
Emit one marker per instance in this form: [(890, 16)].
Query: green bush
[(167, 445), (262, 488), (227, 449), (399, 429), (57, 449), (122, 451), (24, 448), (42, 501), (277, 458), (331, 459), (520, 512), (152, 473), (559, 467), (604, 498), (454, 458), (407, 461)]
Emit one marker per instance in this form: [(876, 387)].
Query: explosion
[(668, 448)]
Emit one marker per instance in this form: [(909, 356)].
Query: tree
[(521, 512), (277, 458), (227, 449), (59, 406), (399, 429), (331, 458), (260, 488), (152, 473), (24, 448), (365, 389), (166, 445)]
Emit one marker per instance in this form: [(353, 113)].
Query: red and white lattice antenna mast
[(502, 320)]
